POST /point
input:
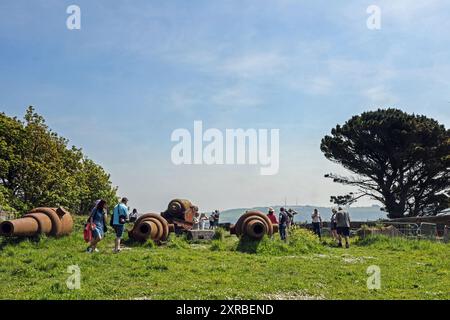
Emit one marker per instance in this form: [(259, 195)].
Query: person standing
[(216, 218), (291, 214), (134, 215), (272, 217), (203, 219), (343, 227), (196, 221), (283, 223), (333, 224), (97, 221), (316, 223), (211, 221), (119, 218)]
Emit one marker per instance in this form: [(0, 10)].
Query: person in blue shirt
[(119, 218), (98, 223)]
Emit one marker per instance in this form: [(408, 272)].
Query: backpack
[(122, 218), (87, 233)]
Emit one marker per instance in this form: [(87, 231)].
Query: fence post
[(445, 233)]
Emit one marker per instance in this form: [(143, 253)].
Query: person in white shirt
[(317, 223), (196, 221), (203, 219)]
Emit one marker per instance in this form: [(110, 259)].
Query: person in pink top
[(272, 217)]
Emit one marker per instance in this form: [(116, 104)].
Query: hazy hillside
[(304, 213)]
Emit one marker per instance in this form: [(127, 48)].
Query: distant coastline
[(370, 213)]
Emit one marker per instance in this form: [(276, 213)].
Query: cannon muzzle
[(255, 225), (55, 222), (150, 226)]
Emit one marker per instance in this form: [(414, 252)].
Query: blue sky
[(138, 70)]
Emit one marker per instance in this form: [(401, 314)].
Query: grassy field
[(225, 269)]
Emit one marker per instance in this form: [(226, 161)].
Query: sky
[(136, 71)]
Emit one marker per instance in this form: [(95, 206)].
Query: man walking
[(119, 218)]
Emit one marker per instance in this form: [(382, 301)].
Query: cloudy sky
[(136, 71)]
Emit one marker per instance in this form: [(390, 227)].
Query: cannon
[(179, 217), (180, 213), (150, 226), (254, 225), (55, 222)]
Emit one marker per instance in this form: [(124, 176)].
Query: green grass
[(225, 268)]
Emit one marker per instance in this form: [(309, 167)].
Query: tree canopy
[(37, 168), (399, 159)]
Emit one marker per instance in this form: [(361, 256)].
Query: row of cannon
[(178, 218)]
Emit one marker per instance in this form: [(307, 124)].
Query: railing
[(423, 230), (428, 231)]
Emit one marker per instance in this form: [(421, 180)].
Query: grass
[(225, 268)]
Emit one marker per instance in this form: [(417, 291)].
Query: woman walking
[(97, 222)]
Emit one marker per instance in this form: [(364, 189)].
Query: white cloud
[(235, 97), (380, 96), (254, 64)]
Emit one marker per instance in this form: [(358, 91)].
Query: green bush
[(300, 241), (178, 241), (219, 234), (218, 245)]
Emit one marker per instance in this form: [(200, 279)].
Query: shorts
[(343, 231), (119, 230), (333, 226)]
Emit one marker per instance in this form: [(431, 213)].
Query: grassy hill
[(304, 268), (372, 213)]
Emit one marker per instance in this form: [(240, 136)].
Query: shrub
[(218, 245), (178, 242), (300, 241), (219, 234)]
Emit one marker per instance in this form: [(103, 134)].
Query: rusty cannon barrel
[(255, 225), (55, 222), (150, 226), (180, 213)]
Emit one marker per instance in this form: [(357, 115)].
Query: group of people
[(286, 220), (339, 226), (98, 225), (201, 219), (340, 223)]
